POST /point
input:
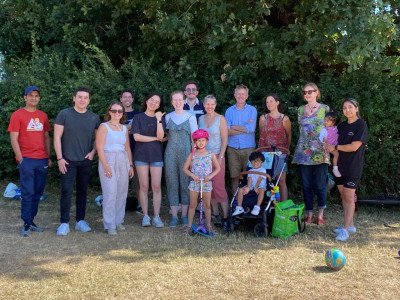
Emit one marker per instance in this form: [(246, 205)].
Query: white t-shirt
[(254, 178)]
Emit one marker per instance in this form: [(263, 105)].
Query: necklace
[(118, 125)]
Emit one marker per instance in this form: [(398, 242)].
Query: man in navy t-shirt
[(192, 104), (126, 98)]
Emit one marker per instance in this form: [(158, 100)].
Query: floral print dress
[(310, 150), (201, 166)]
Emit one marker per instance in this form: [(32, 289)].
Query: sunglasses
[(114, 111), (309, 92), (191, 90)]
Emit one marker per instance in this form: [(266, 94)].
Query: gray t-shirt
[(78, 135)]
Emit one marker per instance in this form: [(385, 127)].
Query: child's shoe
[(239, 210), (256, 210), (336, 172)]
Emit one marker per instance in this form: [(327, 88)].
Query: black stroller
[(261, 223)]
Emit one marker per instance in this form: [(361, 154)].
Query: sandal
[(186, 231)]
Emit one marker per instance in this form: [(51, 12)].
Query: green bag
[(287, 220)]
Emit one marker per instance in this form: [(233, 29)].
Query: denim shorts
[(151, 164)]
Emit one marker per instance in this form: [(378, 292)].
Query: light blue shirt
[(236, 117)]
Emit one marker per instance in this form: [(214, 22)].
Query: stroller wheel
[(260, 230), (230, 225)]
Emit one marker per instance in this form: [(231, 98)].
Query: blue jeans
[(78, 171), (32, 174), (314, 182)]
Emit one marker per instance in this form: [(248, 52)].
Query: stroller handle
[(274, 148), (254, 172)]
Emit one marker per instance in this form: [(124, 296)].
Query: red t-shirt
[(31, 127)]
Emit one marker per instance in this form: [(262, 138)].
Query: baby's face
[(328, 122), (256, 163)]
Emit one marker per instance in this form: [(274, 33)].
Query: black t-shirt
[(351, 163), (147, 151), (129, 118), (78, 135)]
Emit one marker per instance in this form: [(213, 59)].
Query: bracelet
[(336, 147), (159, 121), (58, 159), (221, 156), (131, 166)]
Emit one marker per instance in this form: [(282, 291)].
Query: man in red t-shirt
[(29, 131)]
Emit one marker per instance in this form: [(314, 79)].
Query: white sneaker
[(343, 235), (120, 227), (112, 231), (256, 210), (83, 226), (239, 210), (336, 172), (63, 229), (146, 221), (157, 222), (350, 230)]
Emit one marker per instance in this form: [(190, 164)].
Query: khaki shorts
[(237, 160)]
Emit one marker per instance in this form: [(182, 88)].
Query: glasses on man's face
[(309, 92), (191, 90), (114, 111)]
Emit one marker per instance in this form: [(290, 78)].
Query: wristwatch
[(160, 121), (336, 147)]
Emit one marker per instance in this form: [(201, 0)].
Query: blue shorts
[(151, 164)]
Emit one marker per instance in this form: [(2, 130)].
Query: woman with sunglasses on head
[(351, 145), (276, 130), (310, 153), (115, 167), (148, 130)]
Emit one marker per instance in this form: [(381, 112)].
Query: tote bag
[(287, 220)]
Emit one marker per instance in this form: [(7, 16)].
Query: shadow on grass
[(40, 255)]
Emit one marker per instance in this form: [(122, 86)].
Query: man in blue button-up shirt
[(241, 119)]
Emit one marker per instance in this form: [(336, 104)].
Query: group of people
[(129, 144)]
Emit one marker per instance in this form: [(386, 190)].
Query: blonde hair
[(315, 87)]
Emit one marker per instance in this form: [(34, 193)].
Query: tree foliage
[(347, 48)]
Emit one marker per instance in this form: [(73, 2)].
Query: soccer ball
[(335, 259)]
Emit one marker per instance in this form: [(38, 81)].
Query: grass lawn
[(150, 263)]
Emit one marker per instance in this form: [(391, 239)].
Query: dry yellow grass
[(150, 263)]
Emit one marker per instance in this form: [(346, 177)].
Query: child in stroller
[(256, 182), (262, 222)]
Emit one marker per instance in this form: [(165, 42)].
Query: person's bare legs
[(184, 209), (174, 211), (240, 197), (260, 197), (234, 184), (347, 196), (214, 206), (143, 174), (207, 210), (192, 207), (156, 173), (283, 190), (225, 208)]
